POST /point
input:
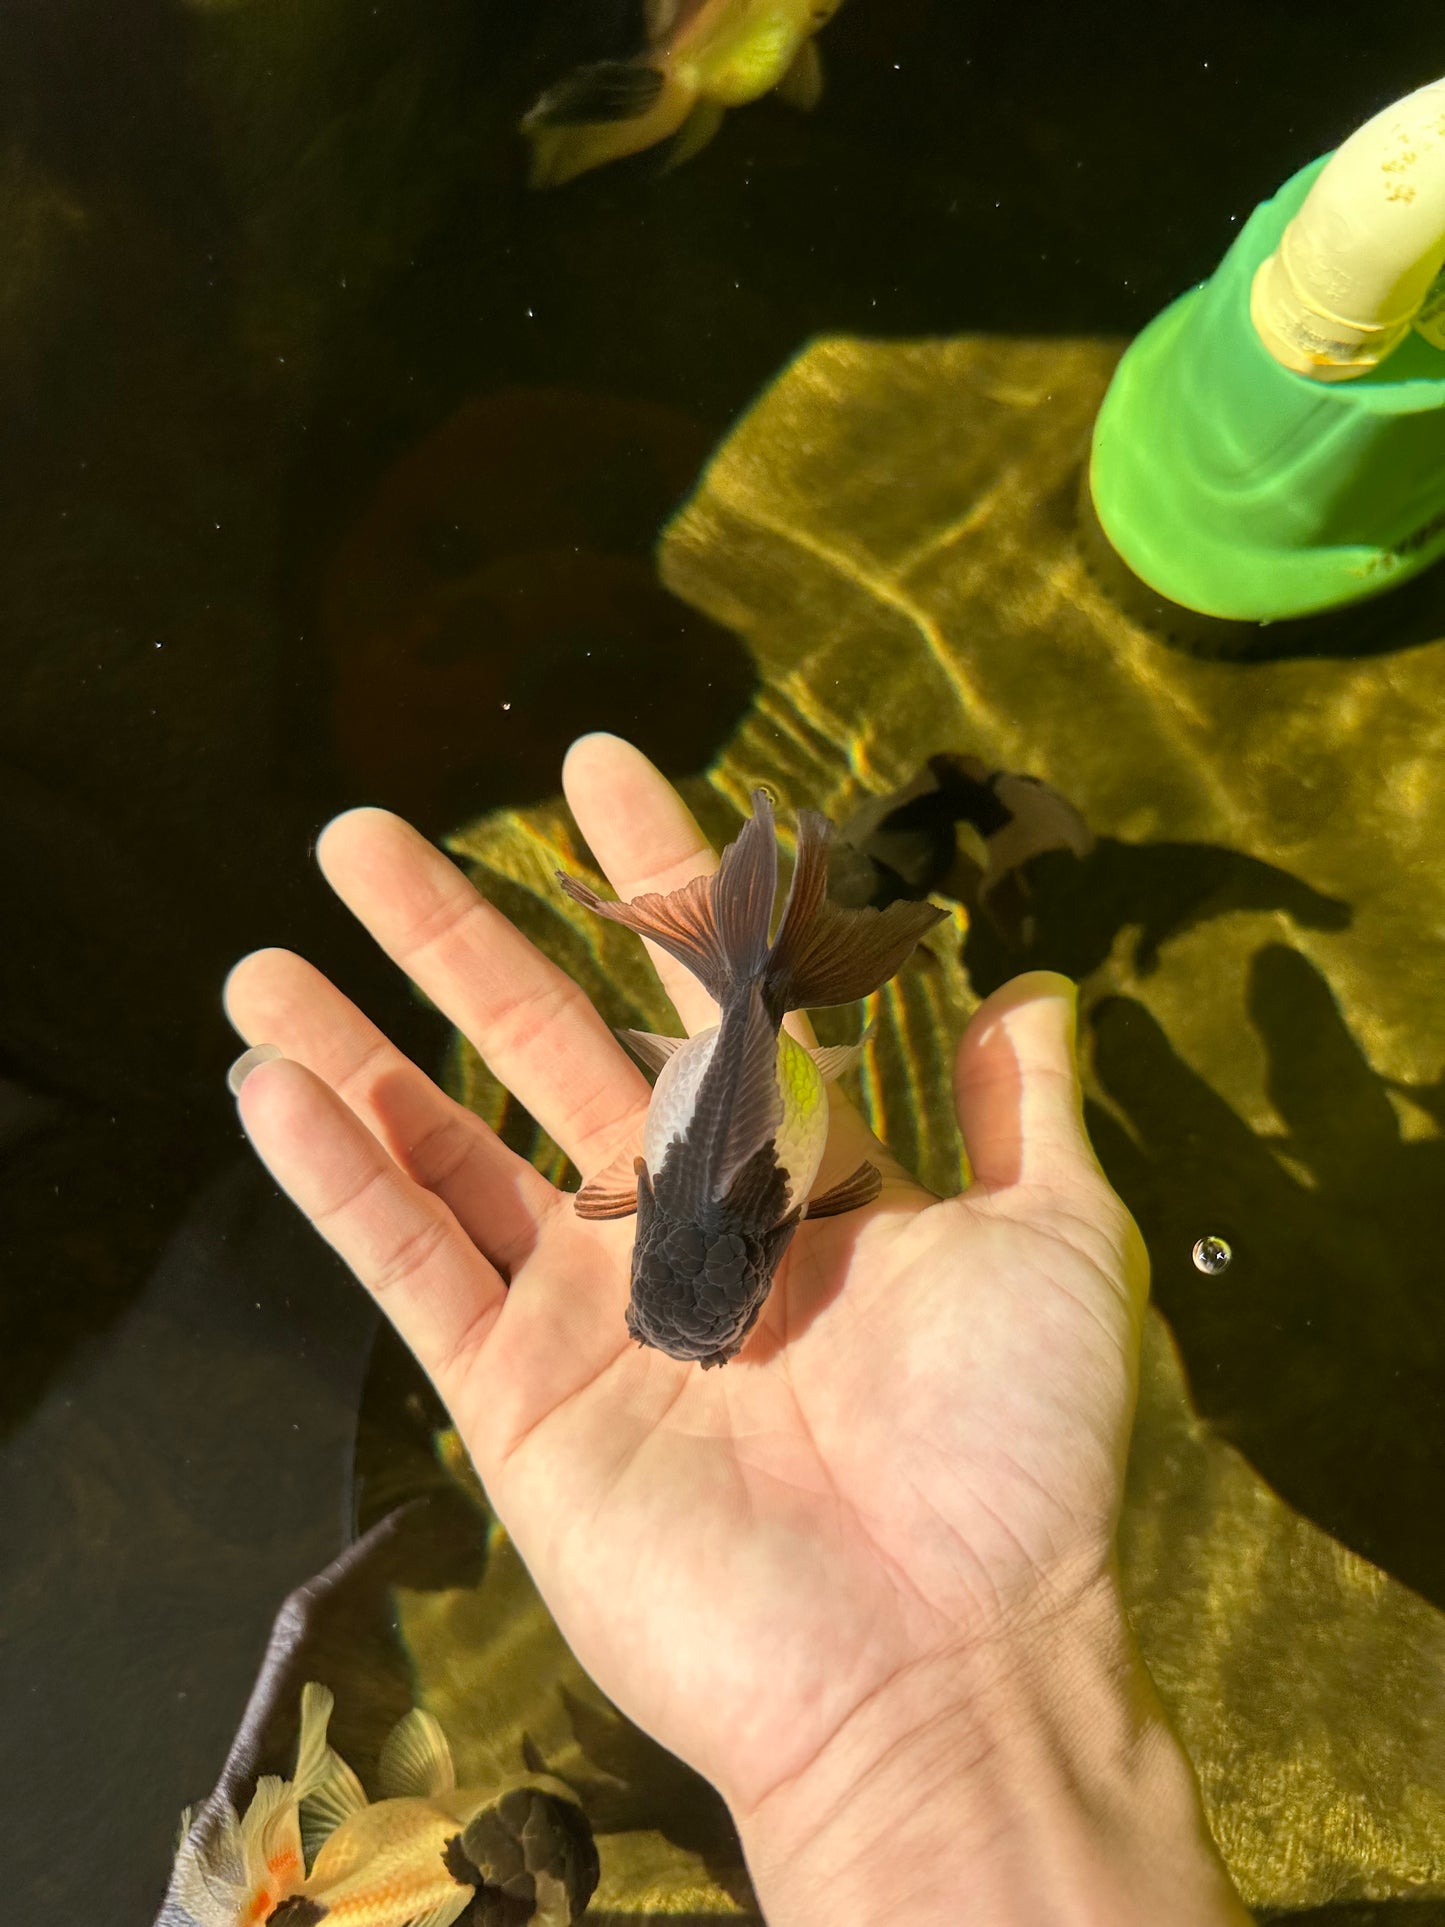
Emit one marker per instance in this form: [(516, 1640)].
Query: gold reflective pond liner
[(890, 530)]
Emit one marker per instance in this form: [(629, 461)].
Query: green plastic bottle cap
[(1242, 490)]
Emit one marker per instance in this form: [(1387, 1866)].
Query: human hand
[(877, 1540)]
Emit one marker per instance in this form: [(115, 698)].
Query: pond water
[(339, 458)]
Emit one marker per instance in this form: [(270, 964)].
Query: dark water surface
[(273, 296)]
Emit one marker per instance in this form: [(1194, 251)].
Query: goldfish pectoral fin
[(860, 1187), (608, 90), (834, 1059), (416, 1759), (802, 85), (650, 1048), (612, 1193), (694, 134)]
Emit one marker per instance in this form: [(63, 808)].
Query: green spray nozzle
[(1273, 444)]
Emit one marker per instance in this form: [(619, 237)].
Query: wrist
[(1033, 1785)]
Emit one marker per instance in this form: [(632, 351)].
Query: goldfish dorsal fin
[(651, 1049), (328, 1791), (747, 1046), (416, 1759), (834, 1059)]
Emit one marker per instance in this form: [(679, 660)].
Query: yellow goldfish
[(416, 1857), (702, 57)]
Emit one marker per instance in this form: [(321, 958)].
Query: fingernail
[(247, 1062)]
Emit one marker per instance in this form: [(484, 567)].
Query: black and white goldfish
[(702, 57), (738, 1120), (418, 1857)]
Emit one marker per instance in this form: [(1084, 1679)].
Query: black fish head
[(697, 1292)]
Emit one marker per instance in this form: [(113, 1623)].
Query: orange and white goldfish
[(702, 57), (738, 1120), (416, 1857)]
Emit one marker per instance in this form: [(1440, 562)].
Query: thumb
[(1016, 1087)]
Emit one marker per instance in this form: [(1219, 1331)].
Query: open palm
[(919, 1450)]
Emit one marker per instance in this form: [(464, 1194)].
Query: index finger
[(646, 839)]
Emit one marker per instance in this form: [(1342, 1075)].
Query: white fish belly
[(801, 1136), (674, 1096)]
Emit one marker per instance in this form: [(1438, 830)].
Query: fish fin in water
[(696, 131), (754, 1100), (717, 925), (450, 1909), (271, 1832), (860, 1187), (608, 90), (834, 1060), (328, 1791), (650, 1048), (824, 954), (416, 1759), (613, 1192), (208, 1882), (802, 85)]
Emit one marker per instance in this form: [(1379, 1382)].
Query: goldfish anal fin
[(650, 1048), (608, 90), (612, 1192), (802, 85), (860, 1187), (416, 1759), (833, 1060), (700, 127)]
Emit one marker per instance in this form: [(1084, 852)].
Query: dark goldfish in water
[(738, 1120), (420, 1856), (702, 57)]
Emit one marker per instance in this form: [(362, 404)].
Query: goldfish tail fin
[(717, 925), (608, 90), (824, 954), (802, 85), (696, 131), (208, 1881)]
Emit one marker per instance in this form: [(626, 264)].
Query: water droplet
[(1211, 1256)]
